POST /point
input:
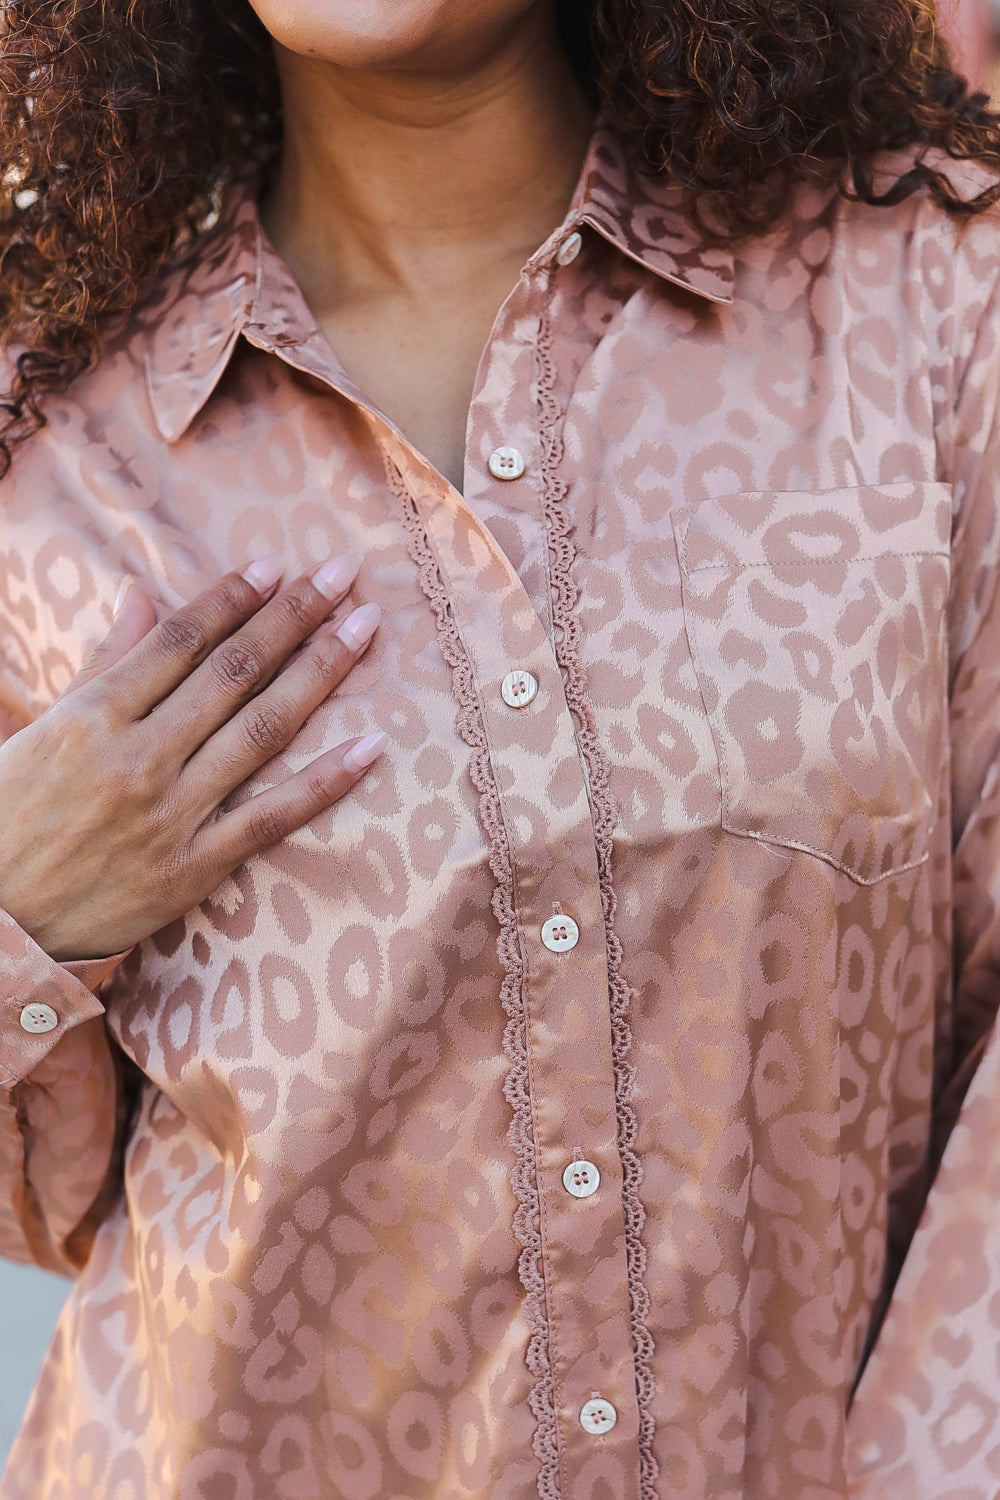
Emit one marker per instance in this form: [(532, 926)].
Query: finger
[(272, 815), (170, 652), (242, 666), (134, 617), (270, 721)]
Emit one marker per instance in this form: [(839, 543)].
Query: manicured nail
[(358, 629), (122, 595), (336, 576), (264, 572), (366, 752)]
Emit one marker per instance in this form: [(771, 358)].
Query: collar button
[(570, 248)]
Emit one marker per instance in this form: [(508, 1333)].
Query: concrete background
[(30, 1301)]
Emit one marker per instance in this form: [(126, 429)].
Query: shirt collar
[(643, 215), (234, 282), (190, 327)]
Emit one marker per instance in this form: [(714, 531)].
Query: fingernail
[(121, 595), (365, 752), (336, 576), (358, 629), (264, 572)]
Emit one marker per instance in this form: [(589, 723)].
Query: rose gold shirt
[(751, 564)]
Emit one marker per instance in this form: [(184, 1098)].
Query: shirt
[(420, 1198)]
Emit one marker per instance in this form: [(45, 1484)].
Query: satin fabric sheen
[(752, 563)]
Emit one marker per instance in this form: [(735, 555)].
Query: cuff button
[(38, 1017)]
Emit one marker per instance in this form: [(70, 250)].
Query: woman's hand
[(111, 804)]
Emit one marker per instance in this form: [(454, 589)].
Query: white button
[(39, 1018), (518, 689), (569, 249), (559, 934), (506, 463), (597, 1416), (582, 1179)]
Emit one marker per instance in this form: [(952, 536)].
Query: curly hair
[(123, 121)]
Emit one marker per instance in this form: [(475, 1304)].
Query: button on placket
[(581, 1179), (506, 463), (560, 933), (518, 689), (597, 1416)]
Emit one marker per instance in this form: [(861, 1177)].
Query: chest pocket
[(816, 627)]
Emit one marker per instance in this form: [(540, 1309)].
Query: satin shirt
[(417, 1197)]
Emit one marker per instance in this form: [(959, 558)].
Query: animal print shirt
[(555, 1115)]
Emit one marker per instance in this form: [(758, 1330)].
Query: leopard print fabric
[(752, 564)]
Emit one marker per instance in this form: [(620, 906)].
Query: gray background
[(29, 1305)]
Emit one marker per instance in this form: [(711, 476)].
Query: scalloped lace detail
[(527, 1218), (604, 810)]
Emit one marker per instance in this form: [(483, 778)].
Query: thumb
[(134, 617)]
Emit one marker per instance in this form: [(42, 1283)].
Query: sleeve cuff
[(41, 1000)]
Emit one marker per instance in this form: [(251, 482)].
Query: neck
[(405, 177)]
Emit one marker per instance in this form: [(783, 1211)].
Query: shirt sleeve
[(62, 1099), (925, 1421)]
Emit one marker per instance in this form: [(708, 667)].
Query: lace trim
[(527, 1218), (604, 810)]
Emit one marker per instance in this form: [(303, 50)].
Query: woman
[(546, 1105)]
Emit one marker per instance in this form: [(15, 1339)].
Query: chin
[(374, 34)]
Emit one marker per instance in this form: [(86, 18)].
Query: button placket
[(555, 873)]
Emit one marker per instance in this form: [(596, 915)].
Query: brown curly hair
[(122, 121)]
